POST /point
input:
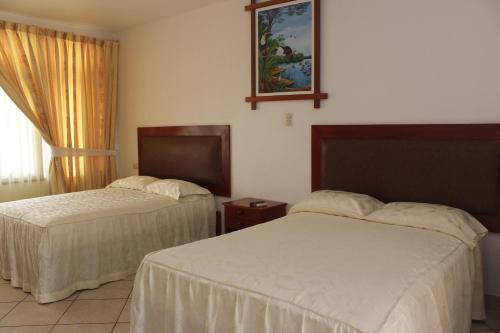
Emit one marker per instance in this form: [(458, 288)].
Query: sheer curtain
[(24, 156)]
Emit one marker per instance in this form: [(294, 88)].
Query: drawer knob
[(239, 212)]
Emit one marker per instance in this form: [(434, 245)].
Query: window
[(24, 155)]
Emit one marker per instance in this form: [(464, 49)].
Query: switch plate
[(289, 119), (135, 166)]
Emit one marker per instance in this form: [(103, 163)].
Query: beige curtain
[(66, 85)]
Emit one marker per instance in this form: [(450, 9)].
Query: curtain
[(23, 153), (66, 85)]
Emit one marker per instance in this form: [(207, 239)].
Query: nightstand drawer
[(240, 215), (242, 212), (237, 223)]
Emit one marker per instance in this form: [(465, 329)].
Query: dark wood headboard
[(455, 165), (199, 154)]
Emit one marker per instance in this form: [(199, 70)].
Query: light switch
[(135, 166), (289, 119)]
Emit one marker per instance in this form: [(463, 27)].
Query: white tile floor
[(107, 309), (102, 310)]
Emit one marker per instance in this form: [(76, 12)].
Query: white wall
[(385, 61)]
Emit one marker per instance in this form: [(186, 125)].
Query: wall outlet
[(135, 166), (289, 119)]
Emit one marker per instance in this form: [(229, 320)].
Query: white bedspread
[(52, 246), (311, 273)]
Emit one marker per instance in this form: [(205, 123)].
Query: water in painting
[(285, 48)]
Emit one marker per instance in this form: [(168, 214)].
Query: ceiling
[(111, 15)]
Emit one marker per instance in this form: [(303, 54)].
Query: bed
[(53, 246), (318, 271)]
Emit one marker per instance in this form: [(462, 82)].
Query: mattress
[(52, 246), (311, 273)]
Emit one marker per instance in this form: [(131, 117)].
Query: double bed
[(53, 246), (321, 270)]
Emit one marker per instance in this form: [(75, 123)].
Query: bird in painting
[(287, 50)]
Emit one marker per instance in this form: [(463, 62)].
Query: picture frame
[(285, 60)]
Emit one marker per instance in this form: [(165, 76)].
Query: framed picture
[(285, 48), (285, 51)]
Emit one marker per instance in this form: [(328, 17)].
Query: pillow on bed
[(175, 188), (337, 203), (451, 221), (133, 182)]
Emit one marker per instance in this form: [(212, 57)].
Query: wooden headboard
[(455, 165), (199, 154)]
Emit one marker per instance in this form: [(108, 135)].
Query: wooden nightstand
[(239, 214)]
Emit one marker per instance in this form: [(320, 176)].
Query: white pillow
[(133, 182), (337, 203), (451, 221), (175, 188)]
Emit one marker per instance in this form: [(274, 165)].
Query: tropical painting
[(285, 48)]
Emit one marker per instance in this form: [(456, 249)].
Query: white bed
[(53, 246), (312, 273)]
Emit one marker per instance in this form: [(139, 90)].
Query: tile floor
[(102, 310), (107, 310)]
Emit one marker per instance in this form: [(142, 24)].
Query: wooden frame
[(222, 131), (317, 95), (457, 132)]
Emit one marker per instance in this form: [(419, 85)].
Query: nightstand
[(239, 215)]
